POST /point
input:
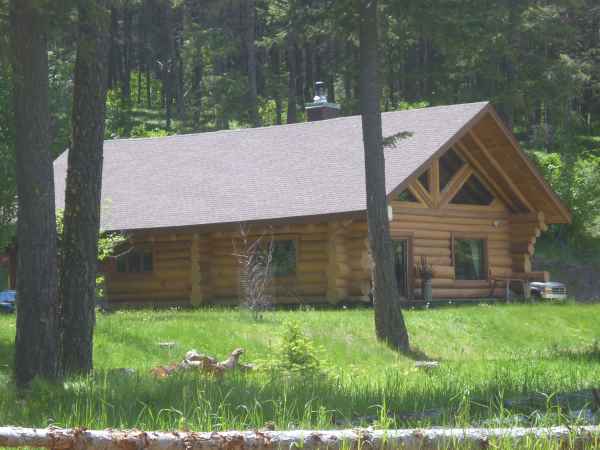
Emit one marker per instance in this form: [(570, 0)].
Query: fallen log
[(198, 361), (423, 439)]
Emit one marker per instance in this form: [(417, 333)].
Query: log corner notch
[(199, 278), (423, 439), (337, 264), (524, 231)]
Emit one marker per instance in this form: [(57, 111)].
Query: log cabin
[(462, 194)]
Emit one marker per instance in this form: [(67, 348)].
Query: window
[(136, 261), (284, 258), (424, 180), (469, 259), (407, 196), (450, 164), (473, 192)]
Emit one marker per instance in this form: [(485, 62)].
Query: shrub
[(296, 353)]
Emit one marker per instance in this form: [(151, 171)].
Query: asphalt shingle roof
[(252, 174)]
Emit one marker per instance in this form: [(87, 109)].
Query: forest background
[(181, 66)]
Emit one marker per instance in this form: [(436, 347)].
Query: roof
[(256, 174)]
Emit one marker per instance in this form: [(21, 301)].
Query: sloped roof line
[(259, 174)]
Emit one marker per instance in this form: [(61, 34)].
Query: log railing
[(79, 438)]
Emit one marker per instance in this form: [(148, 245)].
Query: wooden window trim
[(141, 273), (471, 236)]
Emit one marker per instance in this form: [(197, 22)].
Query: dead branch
[(424, 439)]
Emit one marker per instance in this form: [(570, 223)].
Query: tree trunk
[(197, 89), (37, 343), (84, 181), (251, 50), (127, 54), (421, 439), (389, 323), (148, 88), (276, 68), (168, 64), (292, 113)]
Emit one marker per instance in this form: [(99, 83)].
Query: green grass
[(488, 354)]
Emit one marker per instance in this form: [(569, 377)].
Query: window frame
[(471, 237), (293, 275), (142, 251)]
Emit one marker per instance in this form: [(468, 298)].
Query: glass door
[(401, 265)]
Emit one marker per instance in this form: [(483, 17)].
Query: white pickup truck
[(548, 290)]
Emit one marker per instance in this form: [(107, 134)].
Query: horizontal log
[(178, 257), (501, 271), (168, 274), (439, 243), (452, 211), (431, 234), (440, 271), (437, 282), (438, 260), (442, 226), (318, 237), (527, 218), (312, 266), (522, 247), (416, 218), (496, 252), (501, 261), (458, 293), (525, 228), (423, 439), (502, 244), (431, 251), (165, 294)]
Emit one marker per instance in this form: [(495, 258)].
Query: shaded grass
[(488, 354)]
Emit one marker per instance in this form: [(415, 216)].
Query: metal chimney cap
[(320, 92)]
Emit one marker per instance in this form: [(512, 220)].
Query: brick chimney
[(320, 108)]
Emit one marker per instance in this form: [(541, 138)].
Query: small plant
[(255, 261), (296, 354), (424, 269)]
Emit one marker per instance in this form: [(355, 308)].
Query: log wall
[(333, 262)]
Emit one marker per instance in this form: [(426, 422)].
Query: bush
[(296, 353)]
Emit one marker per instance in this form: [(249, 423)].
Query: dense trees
[(389, 323)]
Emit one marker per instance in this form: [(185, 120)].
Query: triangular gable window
[(473, 192), (407, 196), (424, 180), (450, 164)]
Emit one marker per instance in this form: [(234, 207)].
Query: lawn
[(499, 365)]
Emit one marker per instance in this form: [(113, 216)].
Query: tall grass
[(500, 366)]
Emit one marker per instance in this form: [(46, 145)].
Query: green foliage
[(8, 185), (577, 180), (296, 354), (108, 243)]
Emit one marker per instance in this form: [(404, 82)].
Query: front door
[(401, 266)]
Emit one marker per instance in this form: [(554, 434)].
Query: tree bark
[(251, 51), (389, 323), (292, 113), (37, 344), (83, 188), (421, 439), (127, 53)]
